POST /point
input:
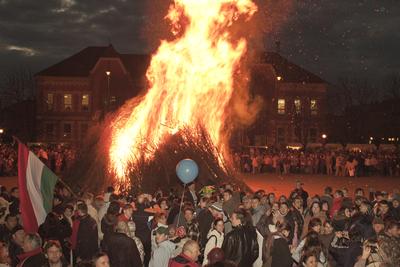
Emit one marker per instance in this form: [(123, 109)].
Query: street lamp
[(108, 73), (324, 136), (1, 130)]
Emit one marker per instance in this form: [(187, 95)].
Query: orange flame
[(191, 81)]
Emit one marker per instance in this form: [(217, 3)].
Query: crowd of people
[(338, 163), (57, 157), (216, 226)]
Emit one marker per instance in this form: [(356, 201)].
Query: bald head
[(191, 249)]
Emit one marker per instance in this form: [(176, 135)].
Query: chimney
[(278, 47)]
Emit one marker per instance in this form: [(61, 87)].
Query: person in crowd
[(191, 194), (314, 212), (311, 242), (298, 215), (299, 191), (32, 256), (240, 245), (276, 252), (54, 255), (6, 229), (206, 219), (161, 255), (258, 210), (87, 234), (192, 226), (215, 238), (101, 260), (132, 234), (188, 257), (5, 259), (126, 214), (122, 249), (309, 259), (109, 222), (389, 242), (16, 244)]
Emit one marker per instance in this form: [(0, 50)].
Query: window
[(85, 102), (113, 99), (313, 135), (50, 101), (68, 102), (280, 135), (281, 106), (49, 130), (67, 130), (297, 106), (313, 107)]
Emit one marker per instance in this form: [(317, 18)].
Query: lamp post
[(108, 73)]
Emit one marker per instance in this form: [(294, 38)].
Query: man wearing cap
[(163, 252)]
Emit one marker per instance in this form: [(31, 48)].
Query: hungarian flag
[(36, 187)]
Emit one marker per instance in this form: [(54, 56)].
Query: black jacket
[(123, 251), (280, 254), (240, 246), (205, 220), (87, 241)]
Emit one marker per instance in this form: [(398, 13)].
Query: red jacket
[(182, 261), (336, 205)]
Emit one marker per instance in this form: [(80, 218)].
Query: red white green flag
[(36, 188)]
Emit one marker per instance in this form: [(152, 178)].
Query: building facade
[(77, 92), (295, 104)]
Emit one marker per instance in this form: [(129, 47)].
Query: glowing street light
[(324, 136), (279, 78), (1, 130)]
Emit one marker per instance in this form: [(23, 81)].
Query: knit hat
[(216, 206)]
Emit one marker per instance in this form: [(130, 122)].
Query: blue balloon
[(187, 170)]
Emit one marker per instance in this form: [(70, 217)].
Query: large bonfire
[(191, 83)]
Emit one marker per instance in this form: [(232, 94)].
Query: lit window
[(113, 99), (85, 102), (313, 107), (281, 106), (68, 102), (279, 78), (67, 130), (297, 105), (50, 101)]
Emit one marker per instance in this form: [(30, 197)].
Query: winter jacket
[(241, 246), (214, 239), (122, 251), (87, 238), (162, 254)]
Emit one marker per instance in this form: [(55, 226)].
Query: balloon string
[(180, 206)]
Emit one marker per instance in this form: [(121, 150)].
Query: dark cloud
[(331, 38)]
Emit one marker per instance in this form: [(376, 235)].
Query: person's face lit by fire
[(284, 209), (384, 208), (227, 196), (188, 215), (378, 228)]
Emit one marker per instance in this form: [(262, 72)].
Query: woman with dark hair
[(311, 243), (315, 225), (276, 251), (313, 212), (215, 238), (309, 260)]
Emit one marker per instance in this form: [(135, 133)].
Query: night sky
[(332, 38)]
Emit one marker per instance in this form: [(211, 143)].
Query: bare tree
[(16, 85)]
